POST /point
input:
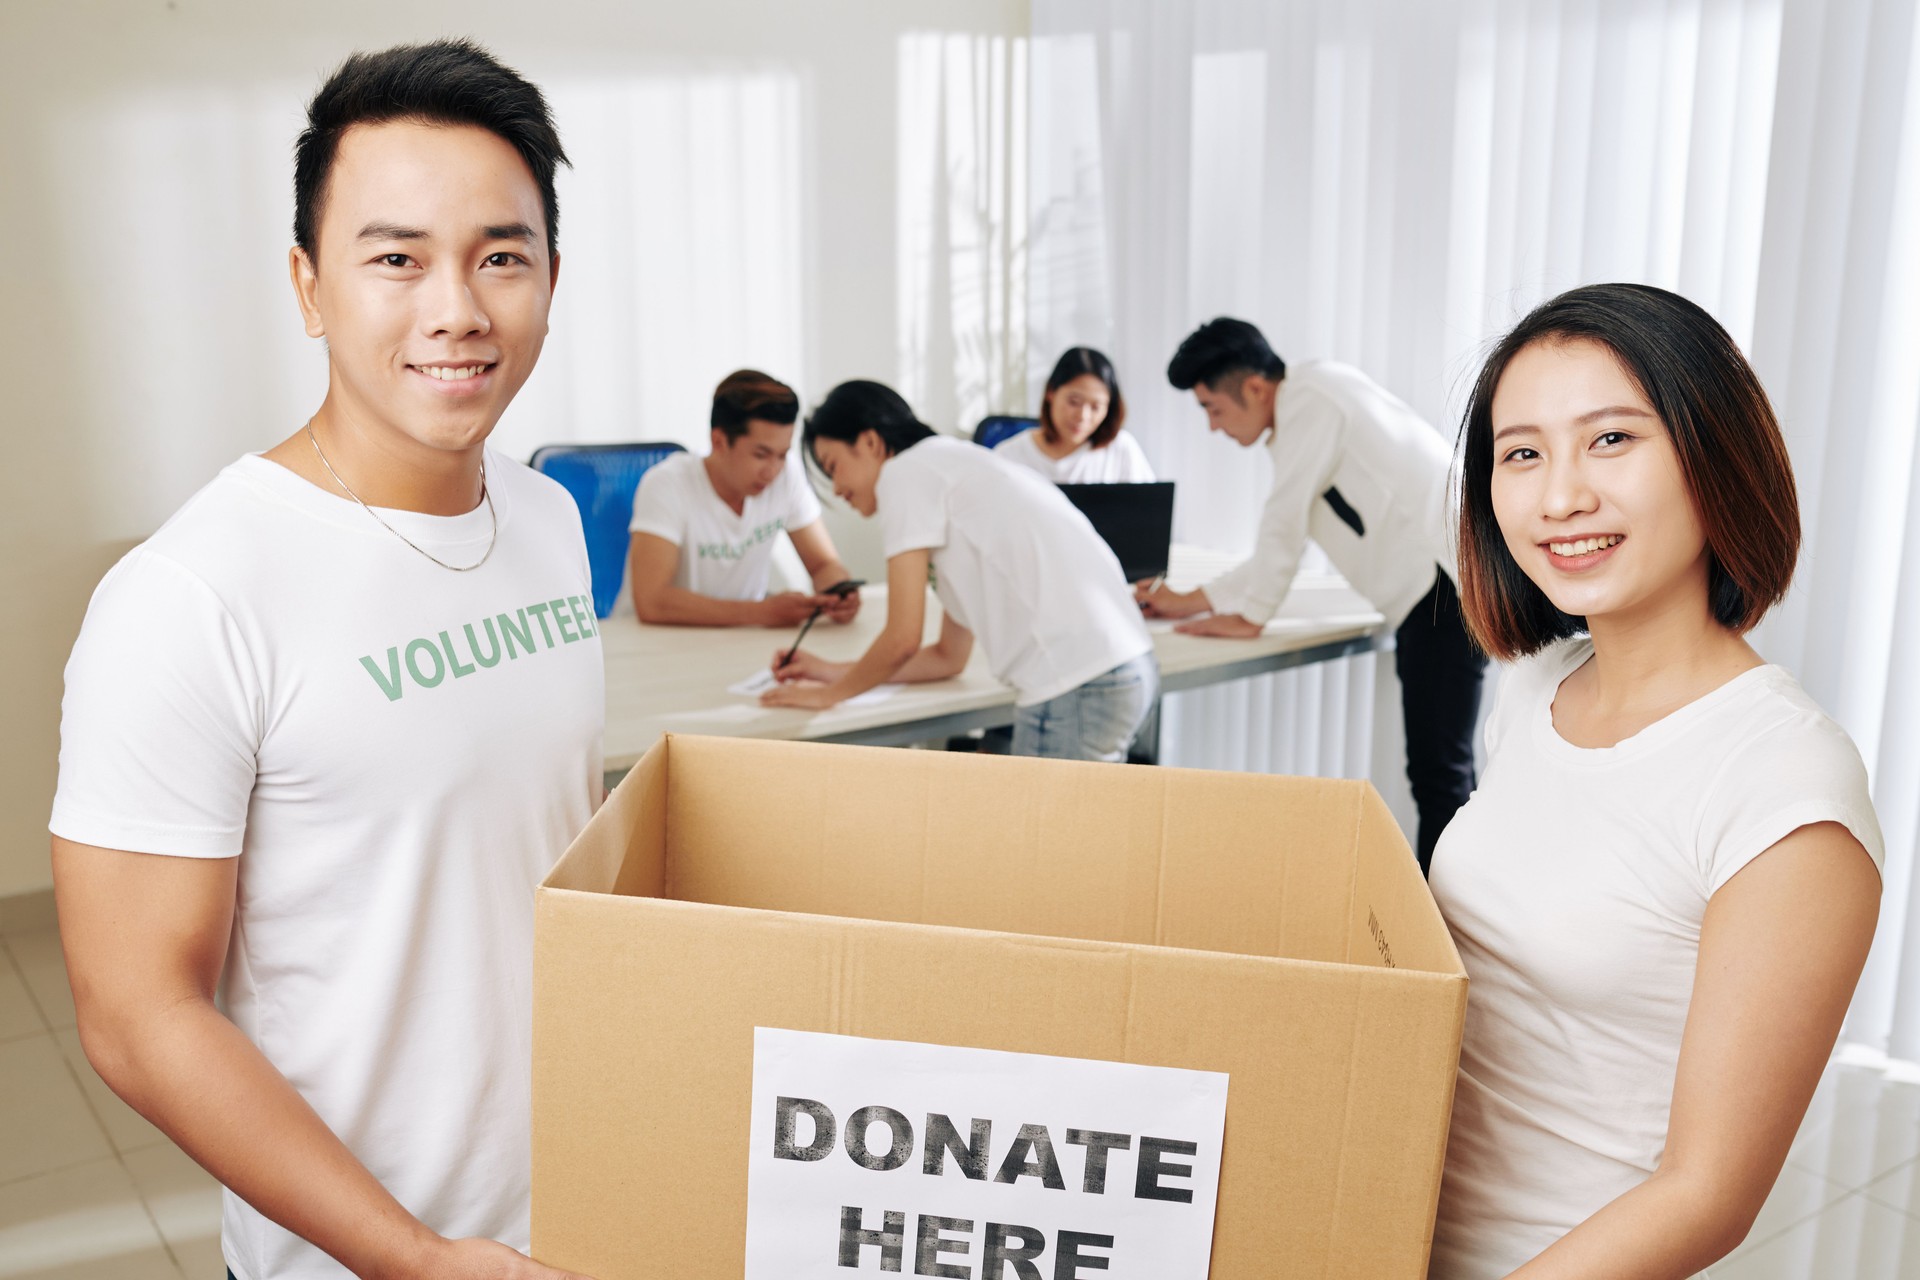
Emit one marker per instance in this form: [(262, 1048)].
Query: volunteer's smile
[(1581, 553), (454, 377)]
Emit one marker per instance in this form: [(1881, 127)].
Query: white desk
[(662, 679)]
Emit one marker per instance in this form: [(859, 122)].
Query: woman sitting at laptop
[(1012, 561), (1079, 439)]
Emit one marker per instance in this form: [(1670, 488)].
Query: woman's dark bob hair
[(1723, 429), (1077, 362), (857, 406)]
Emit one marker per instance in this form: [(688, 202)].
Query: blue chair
[(1001, 426), (602, 478)]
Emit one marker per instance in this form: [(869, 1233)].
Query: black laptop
[(1135, 519)]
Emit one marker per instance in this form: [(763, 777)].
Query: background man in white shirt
[(1359, 472), (325, 730), (705, 529)]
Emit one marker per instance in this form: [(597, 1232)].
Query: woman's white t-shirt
[(1015, 563), (722, 555), (1574, 882), (1120, 462)]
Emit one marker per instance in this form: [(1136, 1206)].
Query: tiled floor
[(90, 1191)]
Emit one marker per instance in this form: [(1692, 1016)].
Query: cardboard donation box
[(807, 1010)]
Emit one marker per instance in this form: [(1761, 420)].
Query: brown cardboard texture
[(1276, 929)]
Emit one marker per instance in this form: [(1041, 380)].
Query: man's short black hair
[(746, 395), (446, 82), (1223, 350)]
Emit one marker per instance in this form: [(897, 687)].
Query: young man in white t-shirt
[(326, 729), (705, 529), (1364, 476)]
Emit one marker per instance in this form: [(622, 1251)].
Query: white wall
[(734, 201)]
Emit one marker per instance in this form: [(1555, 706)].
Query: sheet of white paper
[(762, 680), (879, 693), (732, 713), (882, 1155), (754, 685)]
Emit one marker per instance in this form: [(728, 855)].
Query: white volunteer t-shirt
[(1121, 462), (1574, 882), (1015, 563), (722, 555), (397, 753)]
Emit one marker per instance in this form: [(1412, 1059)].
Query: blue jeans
[(1096, 721)]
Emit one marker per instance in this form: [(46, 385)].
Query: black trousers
[(1441, 674)]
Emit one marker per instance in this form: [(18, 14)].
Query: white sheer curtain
[(1392, 182), (962, 213), (682, 222)]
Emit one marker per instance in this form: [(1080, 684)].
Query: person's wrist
[(412, 1252)]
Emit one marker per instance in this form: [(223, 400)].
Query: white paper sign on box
[(874, 1157)]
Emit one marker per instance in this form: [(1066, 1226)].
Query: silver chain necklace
[(485, 492)]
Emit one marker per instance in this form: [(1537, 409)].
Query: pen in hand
[(839, 591), (789, 656)]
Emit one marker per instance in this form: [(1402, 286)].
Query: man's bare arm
[(651, 564), (145, 938)]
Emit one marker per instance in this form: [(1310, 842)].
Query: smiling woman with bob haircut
[(1665, 886)]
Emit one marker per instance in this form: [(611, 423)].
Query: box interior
[(1291, 868)]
